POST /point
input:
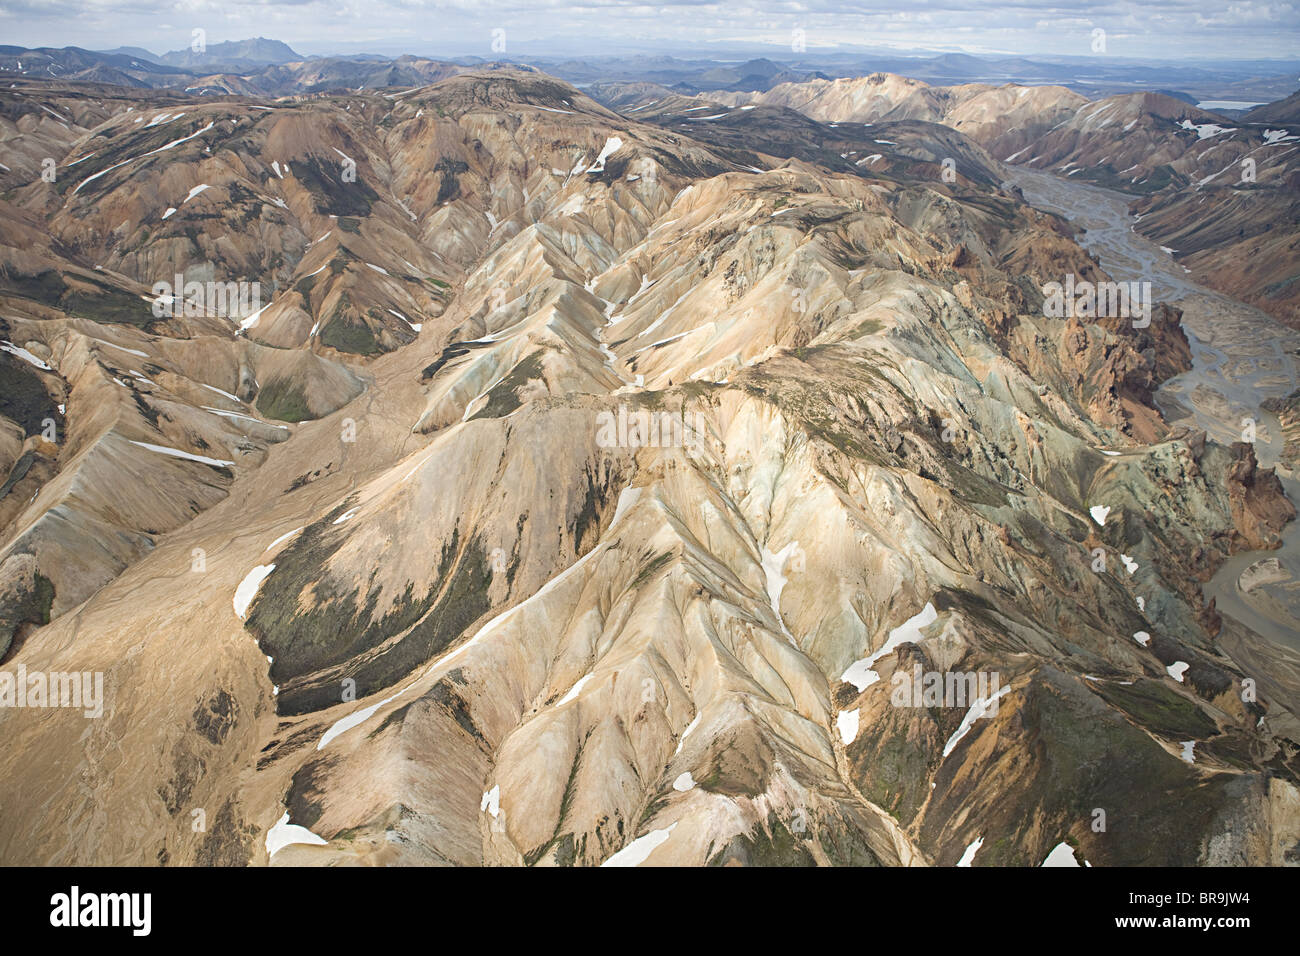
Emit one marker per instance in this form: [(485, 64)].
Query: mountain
[(1219, 193), (1283, 111), (235, 53), (136, 52), (593, 486), (73, 64)]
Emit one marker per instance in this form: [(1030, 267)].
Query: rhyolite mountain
[(368, 583), (1220, 193)]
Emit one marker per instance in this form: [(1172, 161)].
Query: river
[(1240, 357)]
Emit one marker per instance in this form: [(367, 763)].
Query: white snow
[(573, 691), (212, 388), (612, 145), (344, 724), (1061, 855), (171, 211), (250, 321), (1177, 669), (491, 802), (1129, 564), (175, 142), (1206, 130), (284, 537), (686, 733), (415, 326), (773, 566), (976, 711), (236, 416), (860, 673), (23, 354), (969, 856), (847, 724), (639, 850), (122, 348), (1188, 748), (247, 589), (346, 515), (177, 453), (684, 782), (1099, 513), (285, 833), (379, 269), (1142, 637), (194, 192)]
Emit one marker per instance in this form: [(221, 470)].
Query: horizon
[(1170, 31)]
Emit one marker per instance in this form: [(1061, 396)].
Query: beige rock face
[(627, 554), (1219, 194)]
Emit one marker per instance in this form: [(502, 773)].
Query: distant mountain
[(88, 66), (137, 52), (256, 52)]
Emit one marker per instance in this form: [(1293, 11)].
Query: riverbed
[(1240, 357)]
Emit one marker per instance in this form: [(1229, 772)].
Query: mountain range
[(603, 476)]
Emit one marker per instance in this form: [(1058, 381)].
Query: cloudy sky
[(1153, 29)]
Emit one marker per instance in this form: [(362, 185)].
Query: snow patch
[(177, 453), (847, 724), (977, 710), (23, 354), (969, 856), (639, 850), (1062, 855), (247, 589), (860, 673), (284, 834)]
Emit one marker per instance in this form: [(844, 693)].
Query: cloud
[(1175, 29)]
